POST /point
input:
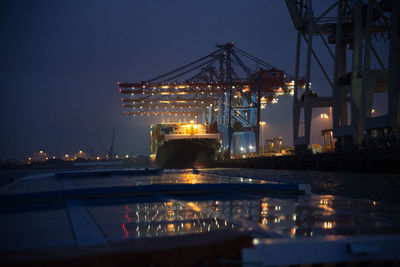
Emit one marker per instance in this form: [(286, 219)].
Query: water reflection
[(317, 215), (301, 216), (166, 218), (296, 217), (165, 178), (191, 178)]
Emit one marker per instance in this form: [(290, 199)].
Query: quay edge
[(352, 162)]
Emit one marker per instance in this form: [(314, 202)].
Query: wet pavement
[(85, 222)]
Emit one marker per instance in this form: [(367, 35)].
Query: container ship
[(184, 145)]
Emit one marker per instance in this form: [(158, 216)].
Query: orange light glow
[(190, 179), (328, 225), (246, 89), (171, 227), (324, 116), (194, 206), (293, 231)]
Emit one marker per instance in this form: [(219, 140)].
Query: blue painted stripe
[(86, 231)]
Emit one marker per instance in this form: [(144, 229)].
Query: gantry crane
[(352, 28), (219, 88)]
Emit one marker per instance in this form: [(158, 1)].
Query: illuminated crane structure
[(219, 89), (353, 28)]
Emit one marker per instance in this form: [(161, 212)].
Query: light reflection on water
[(166, 218), (319, 215), (166, 178), (300, 216), (297, 217)]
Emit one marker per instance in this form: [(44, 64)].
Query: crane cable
[(183, 67), (260, 61)]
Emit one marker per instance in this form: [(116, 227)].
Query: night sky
[(60, 62)]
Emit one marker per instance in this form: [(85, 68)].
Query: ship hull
[(187, 153)]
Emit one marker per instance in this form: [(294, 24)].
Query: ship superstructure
[(183, 143)]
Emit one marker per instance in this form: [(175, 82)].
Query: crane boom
[(102, 147), (111, 152)]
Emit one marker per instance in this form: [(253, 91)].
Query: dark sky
[(60, 62)]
